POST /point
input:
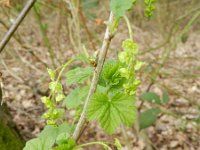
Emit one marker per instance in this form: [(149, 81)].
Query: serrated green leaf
[(110, 75), (75, 98), (47, 137), (119, 7), (110, 69), (78, 75), (165, 97), (148, 118), (39, 144), (150, 97), (54, 131), (112, 111), (82, 57)]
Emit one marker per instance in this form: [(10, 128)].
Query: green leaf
[(47, 137), (60, 97), (138, 65), (148, 118), (62, 138), (151, 97), (165, 97), (112, 111), (48, 103), (57, 113), (54, 131), (110, 75), (119, 7), (70, 144), (75, 98), (39, 144), (117, 144), (52, 74), (78, 75), (110, 69), (55, 86), (82, 57)]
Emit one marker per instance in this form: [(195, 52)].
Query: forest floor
[(25, 80)]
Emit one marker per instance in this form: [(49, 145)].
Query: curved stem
[(129, 27), (94, 143), (60, 73)]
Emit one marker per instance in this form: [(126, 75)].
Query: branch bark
[(102, 54), (16, 24)]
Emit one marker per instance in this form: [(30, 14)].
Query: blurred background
[(56, 30)]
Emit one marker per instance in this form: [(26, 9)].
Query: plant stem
[(129, 27), (60, 74), (102, 54), (94, 143), (16, 24), (86, 28)]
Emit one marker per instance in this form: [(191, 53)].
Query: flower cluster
[(130, 65)]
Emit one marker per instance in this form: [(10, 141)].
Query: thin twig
[(86, 29), (16, 24), (102, 54)]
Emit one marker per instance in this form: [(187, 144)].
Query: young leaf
[(110, 75), (48, 103), (149, 7), (139, 64), (55, 86), (117, 144), (52, 74), (112, 111), (110, 69), (148, 117), (75, 98), (151, 97), (119, 7), (78, 75), (59, 97)]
